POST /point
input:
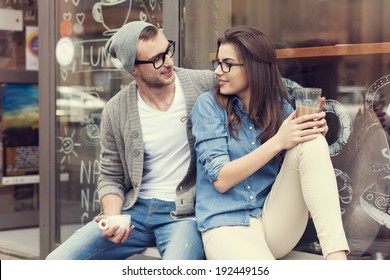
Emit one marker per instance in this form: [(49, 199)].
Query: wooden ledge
[(337, 50)]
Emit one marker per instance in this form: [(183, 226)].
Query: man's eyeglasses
[(159, 59), (225, 66)]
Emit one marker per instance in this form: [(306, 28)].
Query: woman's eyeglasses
[(225, 66)]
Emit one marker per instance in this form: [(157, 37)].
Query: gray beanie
[(123, 44)]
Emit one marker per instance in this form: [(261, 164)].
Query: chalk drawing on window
[(344, 188), (376, 158), (342, 126), (112, 14), (67, 147), (377, 204)]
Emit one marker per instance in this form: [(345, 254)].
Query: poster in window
[(20, 134)]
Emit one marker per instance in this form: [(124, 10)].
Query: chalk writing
[(89, 171)]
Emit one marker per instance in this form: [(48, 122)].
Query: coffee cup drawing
[(112, 14), (123, 221)]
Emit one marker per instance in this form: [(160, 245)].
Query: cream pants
[(306, 182)]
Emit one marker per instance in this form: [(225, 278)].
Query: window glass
[(86, 78)]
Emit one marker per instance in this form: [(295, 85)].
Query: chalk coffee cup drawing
[(307, 100), (112, 14), (123, 221)]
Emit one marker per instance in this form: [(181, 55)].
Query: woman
[(249, 203)]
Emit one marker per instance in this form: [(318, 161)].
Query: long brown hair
[(256, 51)]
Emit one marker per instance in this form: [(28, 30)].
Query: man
[(147, 160)]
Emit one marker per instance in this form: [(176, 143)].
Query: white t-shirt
[(167, 153)]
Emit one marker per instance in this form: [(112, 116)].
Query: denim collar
[(237, 105)]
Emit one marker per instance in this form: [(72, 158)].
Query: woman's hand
[(325, 125), (295, 130)]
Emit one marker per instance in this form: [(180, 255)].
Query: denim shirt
[(214, 147)]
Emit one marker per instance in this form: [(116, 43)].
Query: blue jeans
[(176, 239)]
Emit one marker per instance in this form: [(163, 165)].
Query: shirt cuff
[(214, 165)]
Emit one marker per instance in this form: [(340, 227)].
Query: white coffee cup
[(123, 221)]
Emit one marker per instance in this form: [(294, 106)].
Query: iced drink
[(307, 100)]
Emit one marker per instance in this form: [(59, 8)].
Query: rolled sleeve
[(213, 165)]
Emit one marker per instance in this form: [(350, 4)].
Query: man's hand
[(122, 235), (112, 205)]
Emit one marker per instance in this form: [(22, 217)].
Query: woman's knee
[(315, 147)]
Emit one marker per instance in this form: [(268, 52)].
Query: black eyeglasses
[(225, 66), (159, 59)]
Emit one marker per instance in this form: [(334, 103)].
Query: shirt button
[(251, 197), (253, 143), (135, 134), (250, 127), (248, 187)]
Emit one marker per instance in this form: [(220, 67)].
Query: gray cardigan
[(122, 149)]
